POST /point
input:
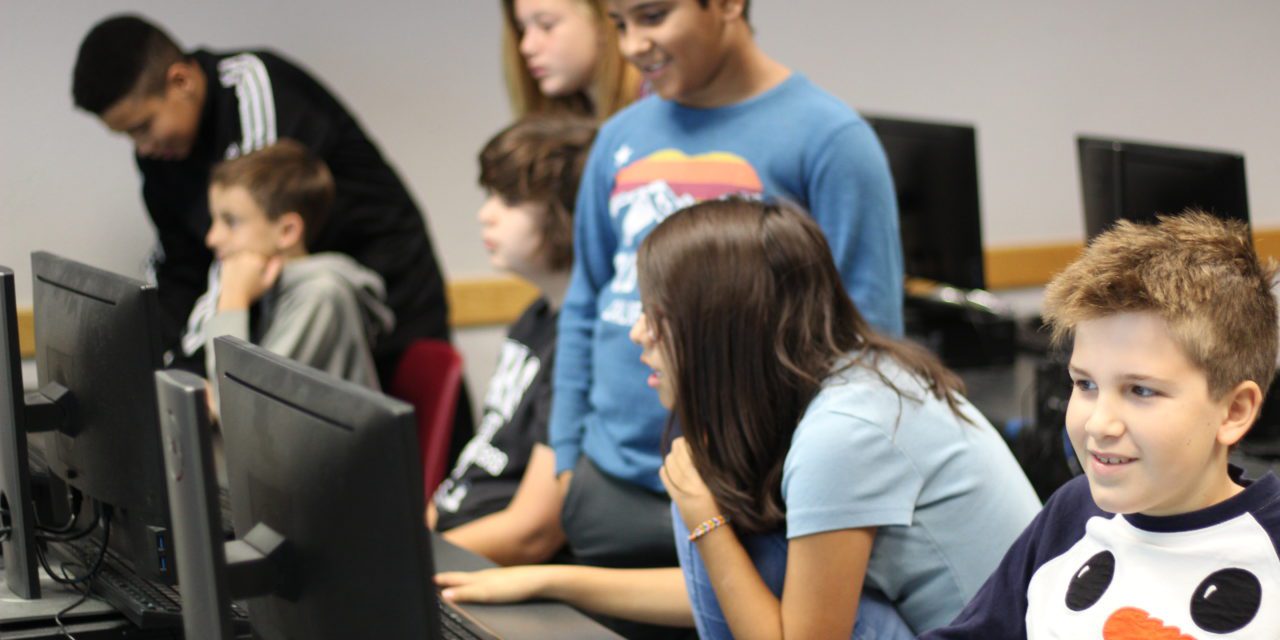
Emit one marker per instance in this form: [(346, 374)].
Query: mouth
[(539, 72), (652, 70), (1109, 460)]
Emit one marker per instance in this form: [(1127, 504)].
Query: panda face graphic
[(1122, 583)]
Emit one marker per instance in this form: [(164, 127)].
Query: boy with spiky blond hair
[(1174, 344)]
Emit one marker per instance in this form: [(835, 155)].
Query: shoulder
[(319, 277)]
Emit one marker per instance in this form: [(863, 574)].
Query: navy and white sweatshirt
[(1079, 572)]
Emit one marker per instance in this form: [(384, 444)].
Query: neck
[(293, 253), (553, 286), (745, 72)]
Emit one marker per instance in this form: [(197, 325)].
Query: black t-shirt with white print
[(516, 408)]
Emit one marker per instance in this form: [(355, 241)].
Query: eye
[(1143, 392), (1085, 384), (1226, 601), (651, 17), (1091, 581)]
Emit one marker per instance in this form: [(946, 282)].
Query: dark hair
[(750, 312), (539, 159), (121, 55), (281, 178)]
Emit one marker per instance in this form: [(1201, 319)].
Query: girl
[(562, 55), (824, 469)]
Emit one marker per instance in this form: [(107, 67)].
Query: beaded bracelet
[(707, 526)]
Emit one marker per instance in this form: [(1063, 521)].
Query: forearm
[(749, 607), (654, 596), (506, 539)]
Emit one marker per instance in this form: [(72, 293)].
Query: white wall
[(424, 77)]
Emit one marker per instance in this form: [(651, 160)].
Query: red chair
[(429, 377)]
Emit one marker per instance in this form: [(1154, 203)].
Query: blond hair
[(616, 83), (1198, 273)]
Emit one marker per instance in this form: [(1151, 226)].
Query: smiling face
[(1148, 433), (678, 45), (652, 355), (164, 125), (560, 41)]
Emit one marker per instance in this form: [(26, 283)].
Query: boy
[(321, 309), (186, 112), (724, 119), (1174, 329), (501, 499)]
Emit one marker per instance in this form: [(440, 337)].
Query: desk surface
[(550, 620)]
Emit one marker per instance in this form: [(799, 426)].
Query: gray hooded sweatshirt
[(325, 311)]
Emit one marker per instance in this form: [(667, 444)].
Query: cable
[(77, 501), (105, 518)]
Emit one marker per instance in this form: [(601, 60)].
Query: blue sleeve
[(999, 609), (825, 483), (851, 195), (594, 243)]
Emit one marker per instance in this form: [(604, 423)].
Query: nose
[(633, 44), (485, 214), (639, 331), (529, 41), (211, 238), (1104, 420)]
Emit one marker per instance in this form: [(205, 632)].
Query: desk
[(95, 620), (533, 620)]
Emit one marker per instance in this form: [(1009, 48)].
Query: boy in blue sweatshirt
[(724, 119)]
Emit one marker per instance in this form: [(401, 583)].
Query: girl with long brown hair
[(823, 471)]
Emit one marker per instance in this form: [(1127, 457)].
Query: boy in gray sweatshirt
[(323, 310)]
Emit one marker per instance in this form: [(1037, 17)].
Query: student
[(186, 112), (1174, 342), (562, 55), (726, 119), (822, 464), (321, 309), (501, 499)]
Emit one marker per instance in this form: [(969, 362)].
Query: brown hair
[(539, 159), (281, 178), (1198, 273), (750, 312), (617, 83)]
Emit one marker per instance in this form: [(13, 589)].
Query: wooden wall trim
[(498, 300)]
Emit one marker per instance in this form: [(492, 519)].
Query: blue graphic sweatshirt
[(794, 143)]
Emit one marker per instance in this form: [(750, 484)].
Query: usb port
[(160, 546), (164, 565)]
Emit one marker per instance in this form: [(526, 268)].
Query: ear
[(1242, 406), (180, 76), (290, 231), (731, 9)]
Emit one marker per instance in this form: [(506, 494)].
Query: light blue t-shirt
[(947, 497), (795, 143)]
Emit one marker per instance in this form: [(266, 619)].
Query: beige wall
[(424, 77)]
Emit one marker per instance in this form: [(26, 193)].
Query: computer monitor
[(935, 175), (98, 336), (326, 499), (21, 575), (1123, 180)]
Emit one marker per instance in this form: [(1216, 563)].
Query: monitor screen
[(15, 482), (935, 176), (1133, 181), (98, 335), (333, 468)]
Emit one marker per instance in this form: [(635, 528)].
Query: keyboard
[(146, 603), (456, 625)]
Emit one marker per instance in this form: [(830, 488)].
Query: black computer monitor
[(326, 499), (1123, 180), (935, 175), (98, 336), (20, 566)]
